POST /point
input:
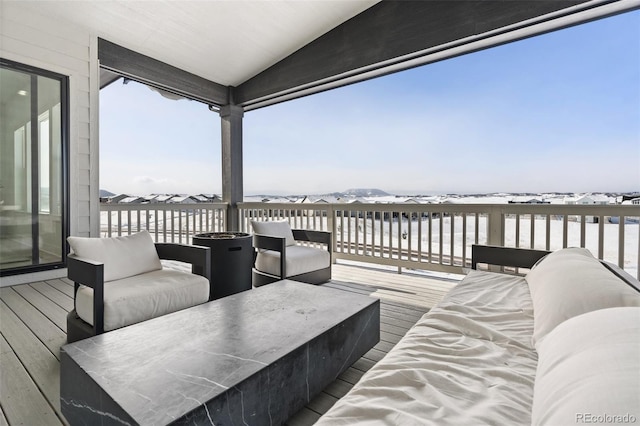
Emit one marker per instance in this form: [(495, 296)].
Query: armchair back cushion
[(280, 229), (122, 256)]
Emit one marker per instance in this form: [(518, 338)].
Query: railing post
[(495, 233), (331, 224)]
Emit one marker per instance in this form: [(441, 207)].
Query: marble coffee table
[(256, 357)]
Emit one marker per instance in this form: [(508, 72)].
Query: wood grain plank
[(45, 330), (54, 312), (66, 280), (403, 303), (392, 329), (56, 296), (351, 375), (304, 417), (62, 286), (363, 364), (388, 318), (374, 355), (3, 419), (31, 359), (322, 403), (384, 346), (338, 388)]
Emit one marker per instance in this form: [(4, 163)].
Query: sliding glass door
[(33, 168)]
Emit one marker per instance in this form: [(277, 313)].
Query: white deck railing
[(171, 223), (435, 237), (439, 236)]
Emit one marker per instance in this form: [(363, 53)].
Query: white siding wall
[(32, 38)]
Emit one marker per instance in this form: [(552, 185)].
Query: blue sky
[(558, 112)]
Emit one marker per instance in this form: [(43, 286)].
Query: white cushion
[(299, 260), (570, 282), (122, 256), (588, 369), (142, 297), (279, 228)]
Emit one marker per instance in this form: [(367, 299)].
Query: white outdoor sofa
[(558, 346)]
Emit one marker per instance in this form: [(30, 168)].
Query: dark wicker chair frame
[(91, 274), (278, 244)]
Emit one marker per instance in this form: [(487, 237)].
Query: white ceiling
[(227, 42)]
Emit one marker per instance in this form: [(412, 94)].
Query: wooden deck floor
[(33, 327)]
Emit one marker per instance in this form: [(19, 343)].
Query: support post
[(232, 185)]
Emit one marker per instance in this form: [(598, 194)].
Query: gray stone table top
[(162, 368)]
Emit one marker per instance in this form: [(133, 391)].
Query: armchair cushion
[(142, 297), (298, 260), (122, 256), (280, 229)]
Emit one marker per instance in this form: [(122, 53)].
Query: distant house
[(588, 199), (116, 198), (209, 198), (183, 199), (527, 200), (133, 200), (165, 198), (151, 198), (200, 198)]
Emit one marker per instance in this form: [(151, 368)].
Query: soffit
[(226, 42)]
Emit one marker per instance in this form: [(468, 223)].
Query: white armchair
[(120, 281), (279, 256)]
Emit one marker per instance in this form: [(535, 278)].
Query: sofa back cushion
[(570, 282), (122, 256), (588, 368), (278, 228)]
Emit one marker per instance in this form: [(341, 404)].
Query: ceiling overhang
[(397, 35), (387, 37), (124, 62)]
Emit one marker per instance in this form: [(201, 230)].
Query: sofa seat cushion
[(571, 282), (588, 370), (145, 296), (468, 361), (299, 260)]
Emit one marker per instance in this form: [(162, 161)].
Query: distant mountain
[(365, 192), (104, 193)]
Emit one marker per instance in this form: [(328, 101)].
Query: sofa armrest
[(322, 237), (279, 244), (268, 242), (505, 256), (198, 256), (91, 274)]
